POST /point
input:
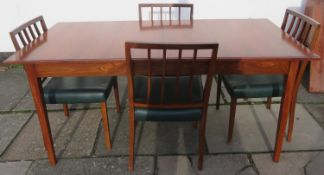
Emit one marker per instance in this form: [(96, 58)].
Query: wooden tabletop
[(103, 41)]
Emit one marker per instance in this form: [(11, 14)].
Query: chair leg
[(269, 101), (132, 123), (291, 119), (218, 93), (116, 92), (106, 125), (202, 131), (231, 120), (66, 110)]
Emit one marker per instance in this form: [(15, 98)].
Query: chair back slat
[(37, 30), (161, 14), (291, 24), (169, 65), (193, 71), (149, 69), (302, 33), (179, 15), (152, 15), (31, 32), (165, 9), (170, 19), (301, 27), (26, 34), (179, 64), (296, 28), (306, 33), (22, 39)]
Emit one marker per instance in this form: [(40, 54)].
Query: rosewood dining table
[(246, 46)]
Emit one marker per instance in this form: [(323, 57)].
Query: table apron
[(252, 67), (119, 68)]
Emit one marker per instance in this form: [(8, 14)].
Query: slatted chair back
[(164, 14), (170, 61), (301, 27), (27, 32)]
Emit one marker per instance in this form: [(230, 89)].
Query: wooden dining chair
[(165, 14), (68, 90), (167, 86), (301, 28)]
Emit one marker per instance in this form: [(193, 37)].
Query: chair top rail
[(29, 23), (303, 17), (165, 5)]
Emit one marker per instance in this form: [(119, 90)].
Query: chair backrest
[(27, 32), (170, 61), (165, 14), (301, 27)]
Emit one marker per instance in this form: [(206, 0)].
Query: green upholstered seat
[(253, 86), (70, 90), (170, 97)]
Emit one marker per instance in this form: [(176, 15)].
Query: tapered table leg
[(299, 78), (285, 108), (36, 90)]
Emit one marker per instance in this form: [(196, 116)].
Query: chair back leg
[(116, 92), (131, 141), (202, 139), (66, 110), (219, 86), (232, 119)]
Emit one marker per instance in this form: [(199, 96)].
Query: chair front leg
[(106, 125), (116, 92), (231, 120), (66, 110), (218, 93), (269, 101)]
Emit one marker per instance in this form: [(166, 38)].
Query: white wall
[(16, 12)]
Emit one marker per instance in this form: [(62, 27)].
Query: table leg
[(285, 108), (299, 78), (36, 89)]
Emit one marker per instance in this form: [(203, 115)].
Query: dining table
[(246, 46)]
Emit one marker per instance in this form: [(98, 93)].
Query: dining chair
[(165, 14), (299, 27), (165, 84), (68, 90)]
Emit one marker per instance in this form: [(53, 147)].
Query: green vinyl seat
[(249, 86), (170, 97), (254, 86), (71, 90)]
